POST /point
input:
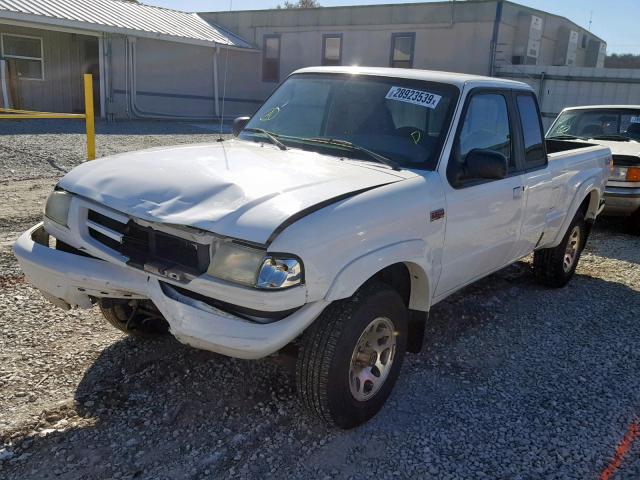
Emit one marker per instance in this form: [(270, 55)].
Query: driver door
[(483, 217)]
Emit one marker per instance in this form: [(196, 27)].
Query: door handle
[(517, 193)]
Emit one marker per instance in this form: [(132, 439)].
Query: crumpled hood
[(234, 188)]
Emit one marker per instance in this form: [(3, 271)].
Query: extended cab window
[(485, 127), (535, 155)]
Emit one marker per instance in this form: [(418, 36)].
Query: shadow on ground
[(613, 239)]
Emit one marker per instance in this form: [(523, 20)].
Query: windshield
[(379, 119), (615, 124)]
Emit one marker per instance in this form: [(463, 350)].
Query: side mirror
[(486, 165), (239, 124)]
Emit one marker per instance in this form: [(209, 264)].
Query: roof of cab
[(458, 79), (604, 107)]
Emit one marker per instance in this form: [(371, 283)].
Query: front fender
[(412, 253)]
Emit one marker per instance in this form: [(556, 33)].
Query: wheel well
[(589, 209), (399, 277), (589, 206)]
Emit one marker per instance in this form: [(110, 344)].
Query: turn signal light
[(633, 174)]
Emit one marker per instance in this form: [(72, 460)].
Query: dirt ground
[(516, 381)]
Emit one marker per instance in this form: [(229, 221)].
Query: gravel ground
[(516, 381)]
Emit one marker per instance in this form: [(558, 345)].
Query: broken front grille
[(149, 249)]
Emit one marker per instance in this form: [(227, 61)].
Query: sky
[(615, 21)]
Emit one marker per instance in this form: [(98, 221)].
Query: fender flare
[(588, 186), (411, 253)]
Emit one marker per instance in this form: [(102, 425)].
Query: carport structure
[(147, 62)]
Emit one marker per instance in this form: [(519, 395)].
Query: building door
[(90, 63)]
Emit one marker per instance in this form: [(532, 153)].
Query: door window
[(485, 127)]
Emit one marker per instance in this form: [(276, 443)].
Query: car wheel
[(350, 357), (139, 318), (554, 267)]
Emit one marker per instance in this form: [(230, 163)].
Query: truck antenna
[(224, 83)]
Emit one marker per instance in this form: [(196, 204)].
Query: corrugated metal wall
[(61, 89), (177, 79), (448, 35), (561, 87)]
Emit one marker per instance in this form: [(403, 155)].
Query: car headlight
[(625, 174), (279, 273), (57, 207), (253, 267)]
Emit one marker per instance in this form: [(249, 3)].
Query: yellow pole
[(88, 111)]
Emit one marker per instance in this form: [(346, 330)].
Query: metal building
[(153, 62), (146, 61), (471, 37)]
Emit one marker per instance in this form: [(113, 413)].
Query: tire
[(551, 266), (328, 371), (139, 318)]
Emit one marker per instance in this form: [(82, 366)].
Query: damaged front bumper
[(69, 280)]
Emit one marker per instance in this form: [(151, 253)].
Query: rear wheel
[(351, 356), (139, 318), (554, 267)]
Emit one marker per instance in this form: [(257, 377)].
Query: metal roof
[(119, 16)]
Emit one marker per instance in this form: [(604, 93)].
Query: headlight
[(236, 263), (57, 207), (253, 267), (625, 174), (279, 273)]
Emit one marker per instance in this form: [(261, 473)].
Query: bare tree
[(301, 4), (624, 60)]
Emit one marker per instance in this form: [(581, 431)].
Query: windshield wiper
[(613, 136), (271, 136), (564, 137), (352, 146)]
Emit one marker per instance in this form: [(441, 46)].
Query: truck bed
[(557, 146)]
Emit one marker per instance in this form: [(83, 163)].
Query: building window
[(332, 49), (402, 46), (271, 58), (26, 52)]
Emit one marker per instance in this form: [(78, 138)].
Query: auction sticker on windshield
[(417, 97)]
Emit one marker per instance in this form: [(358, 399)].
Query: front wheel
[(554, 267), (139, 318), (350, 358)]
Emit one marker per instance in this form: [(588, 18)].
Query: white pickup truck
[(348, 205), (616, 127)]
